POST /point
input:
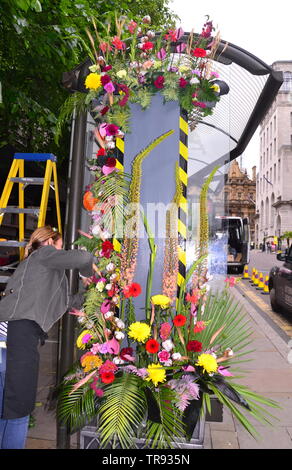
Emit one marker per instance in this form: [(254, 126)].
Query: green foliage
[(170, 91), (119, 424), (91, 244), (40, 40), (143, 97)]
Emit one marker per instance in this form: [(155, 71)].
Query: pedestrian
[(268, 247), (35, 297)]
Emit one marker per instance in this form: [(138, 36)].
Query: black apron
[(22, 368)]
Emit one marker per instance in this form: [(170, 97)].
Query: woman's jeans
[(13, 432)]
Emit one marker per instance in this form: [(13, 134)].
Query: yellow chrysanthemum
[(81, 340), (156, 374), (162, 300), (208, 362), (93, 81), (139, 331), (91, 362)]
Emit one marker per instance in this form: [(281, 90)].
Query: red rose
[(194, 346), (199, 52), (126, 352), (107, 377), (107, 68), (147, 46), (152, 346), (111, 161), (105, 79), (179, 320), (182, 82), (107, 248), (159, 82)]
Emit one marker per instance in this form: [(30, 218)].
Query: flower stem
[(153, 252)]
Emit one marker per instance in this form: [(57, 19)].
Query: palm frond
[(76, 408), (162, 434), (122, 412), (76, 101)]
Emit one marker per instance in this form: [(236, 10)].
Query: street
[(263, 262)]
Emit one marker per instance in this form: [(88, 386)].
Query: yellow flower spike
[(93, 81)]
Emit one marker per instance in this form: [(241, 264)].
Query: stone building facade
[(240, 194), (274, 179)]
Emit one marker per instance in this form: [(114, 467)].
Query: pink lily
[(224, 371), (113, 346), (76, 312)]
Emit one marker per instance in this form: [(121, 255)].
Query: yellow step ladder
[(16, 175)]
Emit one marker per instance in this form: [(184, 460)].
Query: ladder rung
[(12, 243), (17, 210), (28, 180), (4, 279)]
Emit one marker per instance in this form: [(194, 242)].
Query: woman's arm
[(67, 259)]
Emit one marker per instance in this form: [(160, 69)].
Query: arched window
[(262, 215), (272, 216), (267, 213)]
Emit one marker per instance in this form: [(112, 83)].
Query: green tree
[(39, 40)]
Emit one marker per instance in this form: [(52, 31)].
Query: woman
[(35, 297)]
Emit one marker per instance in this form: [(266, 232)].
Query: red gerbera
[(101, 152), (147, 46), (132, 290), (194, 346), (118, 43), (199, 52), (152, 346), (107, 377), (179, 320)]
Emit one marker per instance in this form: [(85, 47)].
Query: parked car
[(280, 283)]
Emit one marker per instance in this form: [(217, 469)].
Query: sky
[(260, 27)]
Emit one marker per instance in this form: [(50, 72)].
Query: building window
[(275, 171), (275, 145), (239, 195), (274, 123), (279, 169), (271, 152), (287, 84), (290, 119)]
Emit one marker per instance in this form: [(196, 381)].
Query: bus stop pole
[(72, 224)]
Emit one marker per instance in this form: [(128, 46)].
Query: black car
[(280, 283)]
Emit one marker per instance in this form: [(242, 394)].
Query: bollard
[(266, 286), (245, 272), (256, 279), (261, 282)]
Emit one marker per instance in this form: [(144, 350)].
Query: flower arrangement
[(132, 63), (153, 376)]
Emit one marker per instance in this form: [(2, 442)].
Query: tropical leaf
[(76, 408), (161, 434), (229, 391), (122, 411), (76, 101)]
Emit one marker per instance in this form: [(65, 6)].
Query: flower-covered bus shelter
[(250, 87)]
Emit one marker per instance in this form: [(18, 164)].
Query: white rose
[(113, 277), (122, 73), (194, 80), (168, 345), (108, 314), (95, 230), (108, 287), (100, 286), (118, 360), (120, 324), (119, 335), (176, 356)]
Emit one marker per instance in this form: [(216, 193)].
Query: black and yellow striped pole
[(119, 155), (182, 210)]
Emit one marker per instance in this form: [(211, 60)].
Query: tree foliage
[(39, 40)]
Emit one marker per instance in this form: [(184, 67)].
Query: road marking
[(254, 296)]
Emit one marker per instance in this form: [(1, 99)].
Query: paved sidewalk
[(270, 374)]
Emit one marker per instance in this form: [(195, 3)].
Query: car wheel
[(274, 304)]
